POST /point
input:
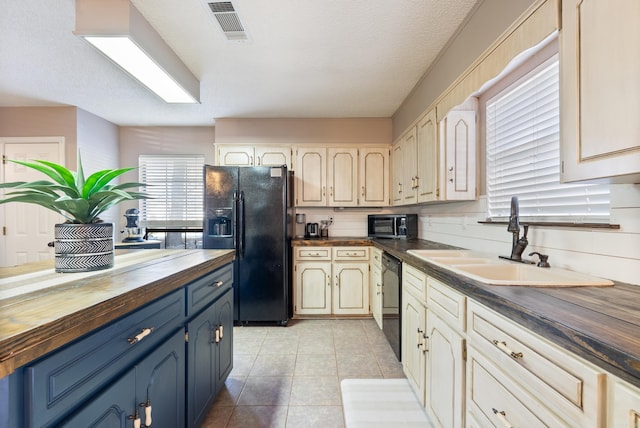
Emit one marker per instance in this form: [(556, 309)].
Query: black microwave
[(398, 226)]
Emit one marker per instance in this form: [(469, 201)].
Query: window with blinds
[(176, 186), (523, 154)]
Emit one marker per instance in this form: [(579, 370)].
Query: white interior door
[(28, 228)]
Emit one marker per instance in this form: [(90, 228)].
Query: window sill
[(557, 224)]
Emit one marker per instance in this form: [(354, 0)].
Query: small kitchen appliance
[(312, 230), (398, 226), (133, 231)]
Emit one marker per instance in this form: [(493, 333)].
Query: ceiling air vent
[(228, 19)]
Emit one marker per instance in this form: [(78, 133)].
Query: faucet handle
[(543, 259)]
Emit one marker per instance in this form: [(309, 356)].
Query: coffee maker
[(133, 231), (312, 230)]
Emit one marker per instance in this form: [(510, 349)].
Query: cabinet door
[(624, 405), (599, 85), (413, 354), (109, 409), (201, 377), (311, 180), (396, 172), (232, 155), (373, 169), (376, 294), (160, 383), (342, 177), (313, 288), (427, 177), (459, 164), (409, 167), (273, 156), (351, 288), (224, 351), (445, 373)]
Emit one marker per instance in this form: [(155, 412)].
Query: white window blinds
[(523, 155), (176, 186)]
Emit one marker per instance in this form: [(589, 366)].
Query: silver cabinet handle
[(216, 284)]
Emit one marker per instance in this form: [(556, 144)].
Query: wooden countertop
[(331, 242), (600, 324), (41, 310)]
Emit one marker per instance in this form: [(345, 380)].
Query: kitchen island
[(61, 335)]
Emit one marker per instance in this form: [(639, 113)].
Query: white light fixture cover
[(120, 32)]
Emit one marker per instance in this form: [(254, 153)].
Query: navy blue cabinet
[(168, 359), (152, 391), (210, 351)]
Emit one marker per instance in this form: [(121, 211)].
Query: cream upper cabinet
[(342, 176), (409, 167), (258, 155), (405, 169), (373, 181), (599, 90), (427, 145), (234, 155), (272, 156), (311, 176), (458, 155), (396, 172)]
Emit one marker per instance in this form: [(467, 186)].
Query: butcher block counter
[(41, 310)]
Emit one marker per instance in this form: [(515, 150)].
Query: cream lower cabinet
[(624, 404), (375, 286), (331, 280), (517, 377), (445, 373)]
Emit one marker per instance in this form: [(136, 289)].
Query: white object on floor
[(381, 403)]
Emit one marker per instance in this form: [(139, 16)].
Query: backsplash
[(609, 253)]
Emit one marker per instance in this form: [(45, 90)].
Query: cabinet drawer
[(203, 291), (414, 281), (569, 386), (496, 400), (65, 378), (313, 253), (351, 253), (447, 303)]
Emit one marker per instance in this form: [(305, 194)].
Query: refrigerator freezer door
[(221, 188), (263, 285)]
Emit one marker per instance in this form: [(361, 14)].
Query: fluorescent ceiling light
[(119, 31)]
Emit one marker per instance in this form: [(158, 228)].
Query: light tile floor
[(290, 376)]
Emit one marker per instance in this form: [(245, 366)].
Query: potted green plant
[(83, 243)]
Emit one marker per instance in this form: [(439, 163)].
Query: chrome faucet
[(518, 244)]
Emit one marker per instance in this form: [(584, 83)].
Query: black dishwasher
[(391, 301)]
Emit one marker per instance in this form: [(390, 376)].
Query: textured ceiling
[(304, 58)]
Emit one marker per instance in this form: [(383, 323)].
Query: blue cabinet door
[(201, 379), (110, 409), (160, 384), (224, 351)]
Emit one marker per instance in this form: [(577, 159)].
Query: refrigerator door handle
[(241, 224), (235, 221)]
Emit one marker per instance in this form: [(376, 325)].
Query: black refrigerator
[(250, 209)]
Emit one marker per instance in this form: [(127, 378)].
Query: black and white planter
[(83, 247)]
